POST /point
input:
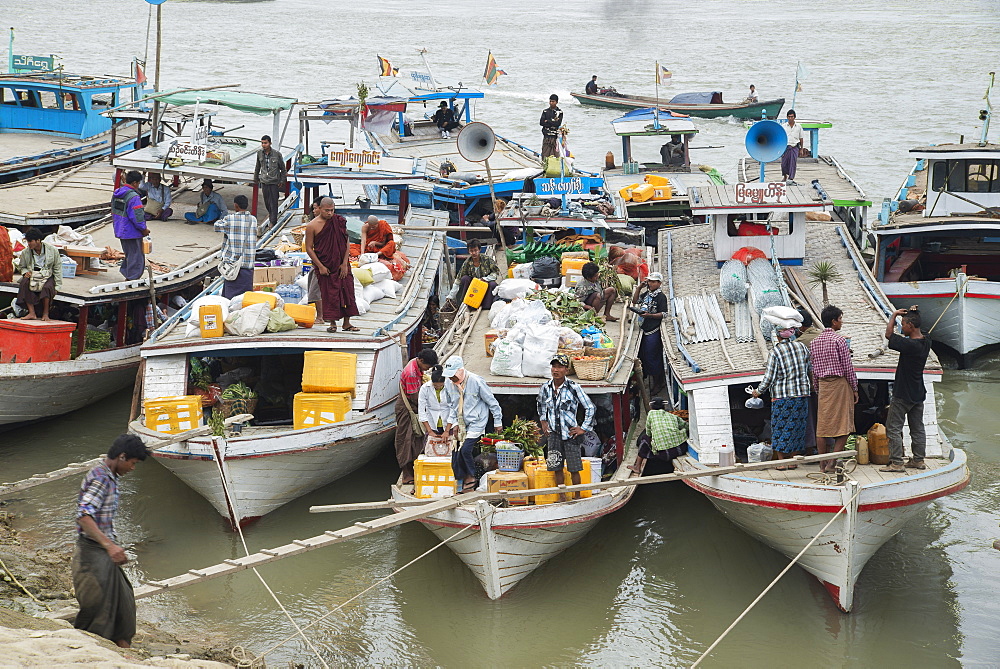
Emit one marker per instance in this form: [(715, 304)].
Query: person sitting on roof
[(211, 207), (444, 118), (158, 198), (672, 153), (376, 237)]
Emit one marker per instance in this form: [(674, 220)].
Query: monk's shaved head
[(326, 201), (373, 219)]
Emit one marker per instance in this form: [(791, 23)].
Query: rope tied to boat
[(776, 579)]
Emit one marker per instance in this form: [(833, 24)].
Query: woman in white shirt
[(433, 407)]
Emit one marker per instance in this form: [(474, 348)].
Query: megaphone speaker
[(766, 141), (476, 142)]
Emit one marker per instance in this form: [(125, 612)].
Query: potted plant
[(533, 206), (200, 382), (824, 272)]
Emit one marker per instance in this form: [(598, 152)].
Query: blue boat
[(51, 120)]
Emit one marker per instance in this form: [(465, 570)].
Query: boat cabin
[(770, 217)]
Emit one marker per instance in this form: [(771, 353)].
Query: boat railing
[(868, 281)]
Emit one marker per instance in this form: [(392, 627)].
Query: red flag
[(140, 76)]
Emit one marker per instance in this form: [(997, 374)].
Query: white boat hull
[(31, 391), (970, 321), (787, 516), (265, 471), (504, 545)]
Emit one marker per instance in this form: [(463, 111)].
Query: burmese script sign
[(754, 193), (565, 186), (32, 63), (188, 151), (367, 160)]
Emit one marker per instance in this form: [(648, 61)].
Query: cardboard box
[(276, 275), (498, 481), (488, 339), (265, 286)]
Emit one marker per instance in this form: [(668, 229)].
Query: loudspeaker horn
[(476, 142), (766, 141)]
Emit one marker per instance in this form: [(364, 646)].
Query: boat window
[(25, 98), (71, 101), (48, 100), (744, 225), (966, 176), (7, 97), (101, 100), (983, 177)]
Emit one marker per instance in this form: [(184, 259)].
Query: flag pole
[(796, 91), (10, 53), (656, 109)]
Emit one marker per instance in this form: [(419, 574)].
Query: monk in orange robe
[(376, 237)]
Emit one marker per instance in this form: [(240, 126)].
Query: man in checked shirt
[(107, 604), (836, 383), (239, 245)]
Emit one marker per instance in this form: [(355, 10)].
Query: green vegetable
[(527, 434), (238, 391), (215, 421)]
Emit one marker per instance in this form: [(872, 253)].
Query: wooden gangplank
[(38, 479)]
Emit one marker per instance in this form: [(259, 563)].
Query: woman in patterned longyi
[(788, 376)]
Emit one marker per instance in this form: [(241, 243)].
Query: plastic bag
[(783, 313), (545, 268), (372, 293), (540, 345), (249, 322), (748, 253), (568, 338), (759, 452), (279, 321), (367, 258), (510, 289), (506, 359), (379, 271), (363, 275)]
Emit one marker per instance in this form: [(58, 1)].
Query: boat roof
[(698, 98), (737, 198), (695, 269), (649, 121), (387, 318), (68, 196), (841, 188), (395, 87), (242, 154), (63, 80), (252, 103), (956, 151)]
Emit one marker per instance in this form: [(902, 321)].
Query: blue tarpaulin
[(707, 98)]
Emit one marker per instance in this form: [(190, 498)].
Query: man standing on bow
[(551, 121), (836, 385), (129, 220), (558, 402), (908, 391), (269, 173)]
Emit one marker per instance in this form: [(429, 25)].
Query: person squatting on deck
[(592, 296), (158, 198), (239, 247), (128, 217), (652, 306), (836, 385), (788, 375), (41, 269), (444, 119), (107, 603), (211, 206), (559, 400), (790, 158), (664, 438), (908, 391), (476, 266), (376, 237), (433, 411), (409, 431), (326, 244), (471, 402), (270, 174), (551, 121)]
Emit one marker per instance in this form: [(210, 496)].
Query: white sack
[(389, 287), (206, 300), (540, 344), (249, 322), (379, 271), (371, 292), (367, 258), (783, 313), (506, 358), (509, 289)]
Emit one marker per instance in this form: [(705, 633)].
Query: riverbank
[(27, 638)]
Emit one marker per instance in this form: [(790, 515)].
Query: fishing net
[(764, 290), (733, 281)]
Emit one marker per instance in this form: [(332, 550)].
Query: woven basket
[(446, 318), (229, 407), (600, 352), (299, 234), (591, 370), (570, 353)]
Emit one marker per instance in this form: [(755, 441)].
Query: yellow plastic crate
[(173, 414), (304, 315), (256, 297), (329, 372), (312, 409), (540, 477), (433, 478)]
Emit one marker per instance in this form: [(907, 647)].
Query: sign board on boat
[(188, 151), (33, 63), (565, 186), (421, 78), (373, 161), (199, 134), (755, 193)]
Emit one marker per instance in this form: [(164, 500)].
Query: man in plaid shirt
[(836, 383), (107, 604), (558, 403), (239, 246)]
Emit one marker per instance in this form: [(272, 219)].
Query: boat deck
[(695, 271), (28, 145), (423, 248), (825, 169), (681, 182), (863, 474), (73, 195)]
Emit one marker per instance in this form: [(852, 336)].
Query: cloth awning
[(253, 103), (705, 98)]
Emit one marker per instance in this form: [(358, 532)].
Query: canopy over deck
[(642, 122), (252, 103)]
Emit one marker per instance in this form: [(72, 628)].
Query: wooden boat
[(937, 245), (702, 105), (35, 390), (52, 120), (788, 509), (503, 545), (266, 466)]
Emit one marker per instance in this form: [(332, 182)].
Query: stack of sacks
[(373, 281), (781, 317)]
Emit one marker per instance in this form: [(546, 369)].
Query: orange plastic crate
[(329, 372)]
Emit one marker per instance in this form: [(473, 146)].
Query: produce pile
[(565, 308), (534, 250), (523, 432)]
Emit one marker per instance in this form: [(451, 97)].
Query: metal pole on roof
[(155, 130)]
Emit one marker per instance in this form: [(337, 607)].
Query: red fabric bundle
[(747, 253)]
